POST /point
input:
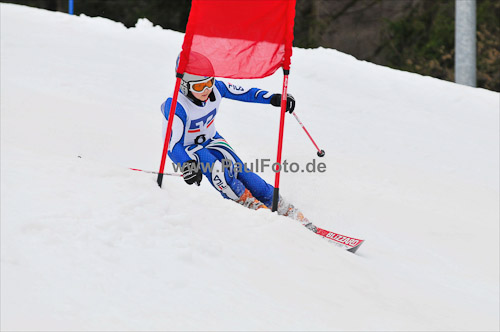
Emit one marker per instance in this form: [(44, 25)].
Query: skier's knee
[(224, 181)]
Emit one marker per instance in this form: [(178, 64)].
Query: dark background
[(411, 35)]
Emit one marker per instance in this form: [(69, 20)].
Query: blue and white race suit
[(194, 137)]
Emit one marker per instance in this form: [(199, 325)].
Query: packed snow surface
[(412, 167)]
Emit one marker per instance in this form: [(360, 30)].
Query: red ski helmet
[(199, 64)]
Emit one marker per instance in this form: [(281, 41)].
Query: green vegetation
[(423, 41)]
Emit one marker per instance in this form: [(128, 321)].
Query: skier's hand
[(290, 102), (191, 172)]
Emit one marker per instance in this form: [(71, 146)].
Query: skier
[(195, 141)]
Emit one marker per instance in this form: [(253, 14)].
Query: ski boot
[(247, 200), (288, 210)]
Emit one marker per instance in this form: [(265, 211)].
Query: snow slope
[(86, 244)]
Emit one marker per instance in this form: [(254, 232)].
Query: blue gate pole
[(70, 7)]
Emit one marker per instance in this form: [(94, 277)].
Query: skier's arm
[(235, 92), (253, 95), (176, 150), (177, 153)]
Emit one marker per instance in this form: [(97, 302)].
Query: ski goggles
[(200, 86)]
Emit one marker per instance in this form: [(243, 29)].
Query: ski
[(346, 242)]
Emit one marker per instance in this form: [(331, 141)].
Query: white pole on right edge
[(465, 42)]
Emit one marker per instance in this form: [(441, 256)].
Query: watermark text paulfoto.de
[(260, 165)]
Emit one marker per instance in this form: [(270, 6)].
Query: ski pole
[(151, 172), (321, 152)]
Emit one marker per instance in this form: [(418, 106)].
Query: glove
[(191, 172), (290, 102)]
